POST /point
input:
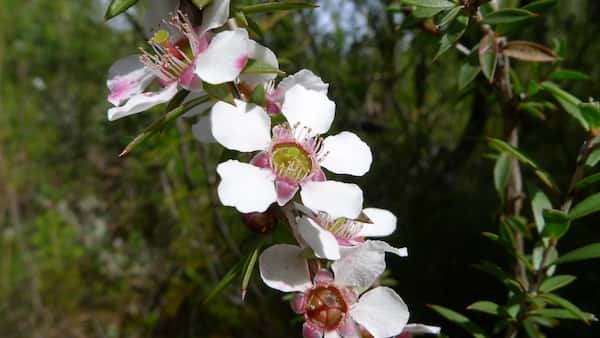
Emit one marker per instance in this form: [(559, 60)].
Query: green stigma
[(291, 161)]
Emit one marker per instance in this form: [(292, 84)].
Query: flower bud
[(260, 222)]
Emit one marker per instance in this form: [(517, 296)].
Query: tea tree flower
[(325, 234), (418, 329), (290, 157), (336, 305), (178, 60)]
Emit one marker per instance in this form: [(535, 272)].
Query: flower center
[(326, 307), (291, 161), (342, 228), (167, 60)]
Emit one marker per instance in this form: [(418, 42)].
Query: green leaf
[(567, 305), (240, 19), (425, 12), (255, 27), (223, 283), (201, 3), (508, 15), (535, 109), (531, 329), (222, 92), (488, 55), (589, 205), (566, 74), (557, 223), (540, 6), (518, 224), (249, 268), (590, 251), (540, 173), (468, 73), (569, 102), (117, 7), (430, 3), (258, 95), (455, 30), (485, 307), (529, 51), (560, 314), (159, 124), (460, 320), (585, 182), (503, 276), (593, 158), (556, 282), (276, 6), (450, 16), (501, 174), (260, 67), (591, 113)]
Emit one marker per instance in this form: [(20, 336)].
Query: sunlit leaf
[(539, 202), (117, 7), (556, 282), (529, 51), (488, 55), (588, 206), (485, 307), (590, 251), (260, 67)]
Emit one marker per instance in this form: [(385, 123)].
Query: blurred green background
[(92, 245)]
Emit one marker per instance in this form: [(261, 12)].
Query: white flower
[(289, 158), (325, 235), (412, 329), (337, 306)]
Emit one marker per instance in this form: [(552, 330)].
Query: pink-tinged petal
[(308, 108), (284, 268), (127, 77), (202, 130), (245, 187), (142, 102), (350, 295), (243, 127), (309, 331), (318, 176), (323, 277), (224, 58), (360, 266), (323, 242), (331, 334), (189, 80), (421, 329), (346, 154), (382, 312), (404, 334), (264, 54), (306, 79), (159, 10), (214, 15), (298, 303), (286, 190), (349, 329), (383, 223), (335, 198), (262, 160)]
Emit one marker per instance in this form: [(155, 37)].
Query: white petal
[(243, 127), (126, 78), (142, 102), (331, 334), (225, 57), (361, 265), (346, 154), (384, 223), (422, 329), (320, 240), (283, 267), (335, 198), (382, 312), (245, 187), (306, 79), (202, 130), (258, 52), (309, 108), (159, 10), (214, 15)]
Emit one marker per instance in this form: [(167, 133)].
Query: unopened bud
[(260, 222)]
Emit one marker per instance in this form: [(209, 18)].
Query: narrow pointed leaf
[(223, 283), (567, 305), (557, 223), (488, 55), (260, 67), (561, 314), (468, 73), (485, 307), (540, 6), (508, 15), (588, 206), (248, 269), (591, 113), (590, 251), (460, 320), (501, 174), (566, 74), (556, 282), (276, 6), (117, 7), (586, 182), (450, 16), (569, 102), (529, 51), (222, 92), (455, 30), (539, 202), (430, 3)]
